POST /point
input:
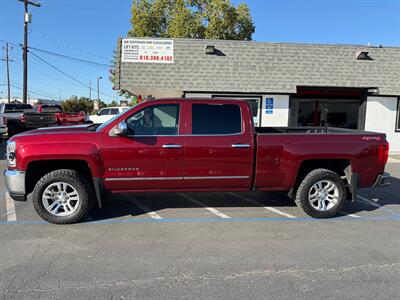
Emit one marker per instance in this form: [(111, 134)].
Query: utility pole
[(7, 60), (27, 20), (90, 90), (97, 103)]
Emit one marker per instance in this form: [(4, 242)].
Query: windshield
[(105, 124)]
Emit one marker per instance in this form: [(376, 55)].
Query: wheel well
[(37, 169), (339, 166)]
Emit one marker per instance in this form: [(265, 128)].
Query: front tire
[(62, 197), (321, 194)]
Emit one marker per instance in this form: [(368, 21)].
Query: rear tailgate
[(36, 120), (70, 118)]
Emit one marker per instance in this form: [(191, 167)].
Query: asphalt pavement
[(202, 246)]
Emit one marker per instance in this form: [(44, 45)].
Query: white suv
[(107, 113), (3, 124)]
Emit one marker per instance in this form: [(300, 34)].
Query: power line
[(72, 58), (82, 60), (61, 71), (62, 43), (31, 92)]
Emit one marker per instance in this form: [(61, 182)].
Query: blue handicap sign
[(269, 106)]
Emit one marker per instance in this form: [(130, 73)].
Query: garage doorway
[(334, 113), (333, 107)]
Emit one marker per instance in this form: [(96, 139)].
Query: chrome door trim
[(215, 177), (174, 178), (141, 178), (171, 146), (239, 145)]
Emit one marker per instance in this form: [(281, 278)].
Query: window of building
[(155, 120), (209, 119), (398, 116)]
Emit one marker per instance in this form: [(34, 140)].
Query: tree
[(75, 104), (201, 19)]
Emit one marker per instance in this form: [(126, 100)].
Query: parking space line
[(375, 204), (350, 215), (210, 209), (147, 210), (366, 200), (10, 208), (273, 209), (393, 160)]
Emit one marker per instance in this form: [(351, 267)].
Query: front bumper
[(15, 182), (381, 180)]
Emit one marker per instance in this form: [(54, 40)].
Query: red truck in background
[(191, 145), (62, 118)]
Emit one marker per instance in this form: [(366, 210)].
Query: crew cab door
[(219, 150), (151, 157)]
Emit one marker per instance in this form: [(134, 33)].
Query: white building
[(287, 84)]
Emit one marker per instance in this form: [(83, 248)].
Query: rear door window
[(114, 111), (216, 119)]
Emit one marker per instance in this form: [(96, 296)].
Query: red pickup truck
[(187, 145), (62, 118)]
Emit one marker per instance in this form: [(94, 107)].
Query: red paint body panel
[(129, 164)]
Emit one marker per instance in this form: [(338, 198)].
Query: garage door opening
[(344, 109)]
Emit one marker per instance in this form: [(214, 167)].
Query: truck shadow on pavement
[(381, 201), (174, 205)]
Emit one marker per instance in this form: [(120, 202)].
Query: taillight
[(383, 152), (22, 118)]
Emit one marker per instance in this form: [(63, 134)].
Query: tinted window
[(16, 107), (216, 119), (114, 111), (104, 112), (51, 108), (155, 120)]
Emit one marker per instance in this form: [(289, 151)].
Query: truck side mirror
[(120, 130)]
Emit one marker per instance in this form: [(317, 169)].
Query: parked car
[(191, 145), (62, 118), (3, 125), (22, 117), (107, 113)]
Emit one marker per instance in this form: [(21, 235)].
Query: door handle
[(240, 146), (171, 146)]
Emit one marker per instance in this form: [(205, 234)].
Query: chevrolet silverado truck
[(191, 145)]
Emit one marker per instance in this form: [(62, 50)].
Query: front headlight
[(11, 155)]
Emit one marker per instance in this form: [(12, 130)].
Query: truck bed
[(308, 129), (282, 150)]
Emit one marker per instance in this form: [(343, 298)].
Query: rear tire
[(62, 197), (11, 130), (321, 194)]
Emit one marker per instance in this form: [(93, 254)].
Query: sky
[(88, 30)]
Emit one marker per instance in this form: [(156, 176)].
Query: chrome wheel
[(60, 199), (323, 195)]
